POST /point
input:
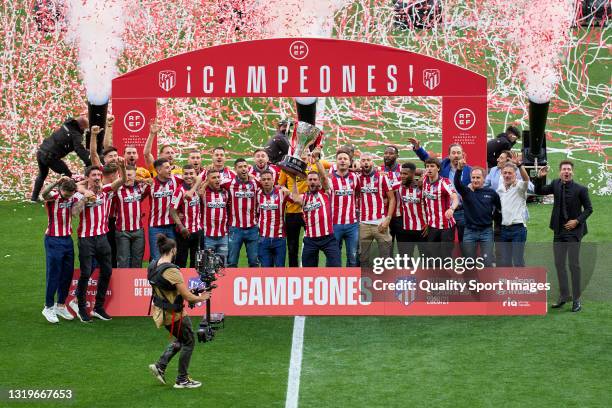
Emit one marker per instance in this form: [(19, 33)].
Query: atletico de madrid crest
[(431, 78), (167, 80)]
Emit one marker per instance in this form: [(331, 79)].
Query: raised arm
[(108, 132), (77, 143), (47, 190), (418, 150), (546, 189), (123, 177), (295, 195), (148, 156), (457, 181), (93, 146)]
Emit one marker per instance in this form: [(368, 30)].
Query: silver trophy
[(304, 134)]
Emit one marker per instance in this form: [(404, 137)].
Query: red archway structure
[(289, 67)]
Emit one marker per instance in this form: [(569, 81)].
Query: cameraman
[(169, 293)]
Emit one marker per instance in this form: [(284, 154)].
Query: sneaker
[(187, 383), (49, 313), (62, 311), (82, 315), (158, 373), (101, 314)]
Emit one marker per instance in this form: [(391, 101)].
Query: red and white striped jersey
[(255, 172), (344, 195), (243, 202), (161, 197), (59, 214), (93, 219), (190, 209), (317, 213), (226, 175), (128, 201), (215, 206), (372, 193), (394, 175), (437, 199), (271, 212), (411, 206)]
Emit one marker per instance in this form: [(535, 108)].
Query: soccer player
[(260, 158), (568, 219), (215, 204), (271, 202), (189, 222), (392, 169), (344, 186), (480, 205), (130, 153), (294, 219), (375, 216), (441, 201), (93, 243), (316, 206), (448, 167), (410, 202), (60, 204), (513, 197), (243, 216), (164, 185), (129, 233), (194, 158), (165, 152), (218, 163)]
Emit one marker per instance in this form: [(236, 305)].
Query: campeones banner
[(345, 291), (289, 67)]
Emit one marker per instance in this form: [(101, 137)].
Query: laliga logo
[(298, 50), (465, 119), (134, 121)]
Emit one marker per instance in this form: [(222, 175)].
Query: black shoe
[(576, 306), (559, 303), (83, 315), (101, 314), (187, 383)]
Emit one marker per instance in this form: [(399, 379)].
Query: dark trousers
[(185, 342), (112, 241), (327, 244), (408, 240), (396, 227), (440, 242), (46, 162), (294, 222), (459, 216), (567, 246), (513, 238), (60, 267), (130, 248), (91, 248), (187, 247)]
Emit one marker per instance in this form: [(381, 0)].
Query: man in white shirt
[(513, 197)]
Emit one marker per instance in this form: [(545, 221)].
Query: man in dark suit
[(568, 221)]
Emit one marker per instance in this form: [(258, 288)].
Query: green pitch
[(561, 359)]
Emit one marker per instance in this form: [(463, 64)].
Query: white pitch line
[(295, 365)]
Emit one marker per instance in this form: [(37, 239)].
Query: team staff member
[(93, 244), (316, 206), (271, 202), (294, 219), (568, 221), (169, 294), (186, 213), (59, 249), (67, 138)]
